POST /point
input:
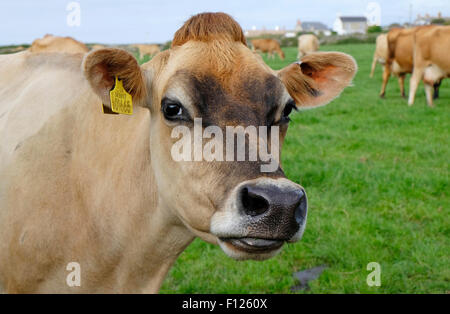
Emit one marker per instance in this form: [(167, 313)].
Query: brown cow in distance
[(431, 60), (108, 194), (145, 49), (269, 46), (50, 43), (97, 46), (400, 56)]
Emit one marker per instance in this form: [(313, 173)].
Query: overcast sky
[(131, 21)]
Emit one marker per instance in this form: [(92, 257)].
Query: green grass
[(377, 176)]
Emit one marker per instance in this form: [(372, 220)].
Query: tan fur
[(268, 45), (431, 60), (97, 46), (208, 27), (50, 43), (308, 82), (400, 55), (102, 190), (307, 43), (150, 50), (102, 66), (381, 52)]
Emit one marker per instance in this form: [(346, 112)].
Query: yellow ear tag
[(121, 101)]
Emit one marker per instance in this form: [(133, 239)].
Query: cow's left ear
[(102, 66), (318, 78)]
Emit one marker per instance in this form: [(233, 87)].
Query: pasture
[(377, 176)]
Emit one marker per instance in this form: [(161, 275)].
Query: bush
[(439, 21), (289, 42), (349, 39), (394, 25), (374, 29)]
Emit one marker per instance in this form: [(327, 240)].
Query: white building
[(345, 25)]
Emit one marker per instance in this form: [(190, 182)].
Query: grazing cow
[(431, 60), (307, 43), (50, 43), (102, 195), (97, 46), (381, 52), (150, 50), (268, 45), (400, 56)]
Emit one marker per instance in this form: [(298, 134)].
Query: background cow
[(400, 56), (271, 46), (103, 190), (431, 60), (144, 50), (381, 52), (307, 43), (50, 43), (97, 46)]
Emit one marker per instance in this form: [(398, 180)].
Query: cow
[(431, 60), (97, 46), (271, 46), (86, 189), (400, 57), (307, 43), (50, 43), (150, 50), (381, 52)]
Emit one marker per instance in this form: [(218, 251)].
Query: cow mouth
[(253, 245)]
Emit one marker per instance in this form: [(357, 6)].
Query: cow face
[(203, 87)]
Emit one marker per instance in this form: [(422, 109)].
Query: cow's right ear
[(102, 66)]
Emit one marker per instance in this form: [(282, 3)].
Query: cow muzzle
[(259, 217)]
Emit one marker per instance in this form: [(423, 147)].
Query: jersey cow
[(103, 191), (307, 43), (400, 57), (50, 43), (144, 50), (270, 46), (381, 52), (431, 60)]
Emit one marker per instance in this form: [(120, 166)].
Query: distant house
[(345, 25), (428, 19), (312, 27)]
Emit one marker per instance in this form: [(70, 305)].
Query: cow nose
[(268, 200)]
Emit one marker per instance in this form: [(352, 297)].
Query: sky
[(155, 21)]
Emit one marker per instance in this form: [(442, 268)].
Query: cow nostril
[(301, 209), (252, 203)]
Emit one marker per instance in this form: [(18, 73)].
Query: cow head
[(210, 73)]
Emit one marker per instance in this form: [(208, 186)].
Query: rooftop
[(353, 18)]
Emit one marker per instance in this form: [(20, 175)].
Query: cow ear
[(318, 78), (102, 66)]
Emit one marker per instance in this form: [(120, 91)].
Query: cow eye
[(172, 109), (288, 109)]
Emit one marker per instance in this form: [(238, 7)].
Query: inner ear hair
[(318, 77), (300, 85)]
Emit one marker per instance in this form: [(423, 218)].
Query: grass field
[(377, 176)]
